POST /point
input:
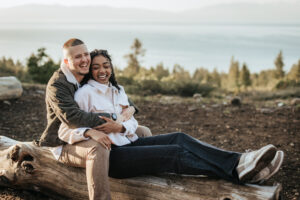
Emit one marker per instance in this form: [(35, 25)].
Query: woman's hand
[(120, 118), (110, 126), (99, 137), (127, 112)]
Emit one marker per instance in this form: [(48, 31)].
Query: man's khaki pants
[(95, 158), (143, 131)]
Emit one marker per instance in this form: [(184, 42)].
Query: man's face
[(78, 60)]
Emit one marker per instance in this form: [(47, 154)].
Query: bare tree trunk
[(23, 165)]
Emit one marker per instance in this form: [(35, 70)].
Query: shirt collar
[(101, 87), (69, 75)]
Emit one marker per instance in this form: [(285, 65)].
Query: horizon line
[(149, 9)]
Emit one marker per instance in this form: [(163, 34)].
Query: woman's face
[(101, 69)]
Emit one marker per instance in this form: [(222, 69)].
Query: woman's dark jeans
[(173, 153)]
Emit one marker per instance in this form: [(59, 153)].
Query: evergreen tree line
[(159, 79), (39, 68), (139, 80)]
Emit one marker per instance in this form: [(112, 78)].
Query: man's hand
[(99, 137), (127, 112), (110, 126)]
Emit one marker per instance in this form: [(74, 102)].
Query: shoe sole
[(272, 169), (278, 166), (261, 162)]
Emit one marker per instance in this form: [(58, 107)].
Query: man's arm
[(70, 135), (61, 99)]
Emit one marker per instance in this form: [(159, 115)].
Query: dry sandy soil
[(233, 128)]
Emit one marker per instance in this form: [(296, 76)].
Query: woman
[(173, 152)]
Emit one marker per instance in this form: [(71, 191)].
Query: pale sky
[(168, 5)]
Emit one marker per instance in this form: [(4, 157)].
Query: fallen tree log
[(10, 88), (24, 165)]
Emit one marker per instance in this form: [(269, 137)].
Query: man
[(61, 107)]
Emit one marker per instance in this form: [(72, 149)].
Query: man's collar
[(69, 75)]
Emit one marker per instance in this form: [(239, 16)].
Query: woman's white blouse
[(99, 98)]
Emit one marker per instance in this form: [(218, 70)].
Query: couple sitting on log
[(91, 125)]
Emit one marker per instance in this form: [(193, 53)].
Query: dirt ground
[(249, 126)]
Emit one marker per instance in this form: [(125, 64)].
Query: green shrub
[(8, 67), (152, 87), (149, 87), (41, 66), (189, 89), (132, 89), (123, 80), (279, 94), (287, 84), (169, 88)]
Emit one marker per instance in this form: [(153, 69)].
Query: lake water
[(190, 45)]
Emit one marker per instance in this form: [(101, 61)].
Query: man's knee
[(97, 150), (143, 131)]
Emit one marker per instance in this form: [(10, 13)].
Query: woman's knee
[(180, 135), (143, 131)]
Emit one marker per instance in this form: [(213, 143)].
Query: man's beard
[(82, 74)]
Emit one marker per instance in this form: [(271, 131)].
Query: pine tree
[(245, 76), (294, 73), (216, 78), (298, 72), (234, 74), (160, 71), (201, 75), (265, 77), (180, 74), (279, 73), (133, 66)]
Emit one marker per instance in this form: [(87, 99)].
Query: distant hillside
[(226, 13), (251, 13)]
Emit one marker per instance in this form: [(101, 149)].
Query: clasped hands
[(99, 133)]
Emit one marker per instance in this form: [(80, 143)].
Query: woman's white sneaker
[(270, 170), (253, 162)]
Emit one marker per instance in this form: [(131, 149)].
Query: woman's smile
[(101, 69)]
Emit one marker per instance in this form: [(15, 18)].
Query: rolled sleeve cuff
[(128, 128), (80, 133)]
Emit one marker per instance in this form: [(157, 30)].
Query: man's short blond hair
[(71, 43)]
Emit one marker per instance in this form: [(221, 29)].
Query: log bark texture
[(10, 88), (23, 165)]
